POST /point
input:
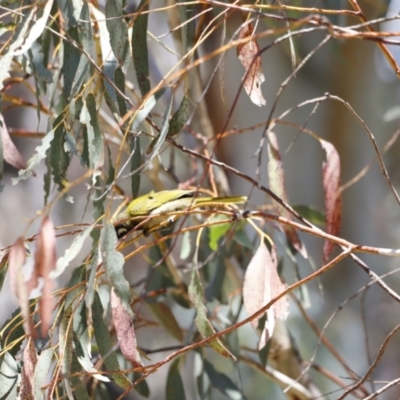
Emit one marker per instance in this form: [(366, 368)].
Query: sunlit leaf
[(9, 376), (309, 213), (216, 232), (71, 252), (249, 55), (333, 199), (37, 29)]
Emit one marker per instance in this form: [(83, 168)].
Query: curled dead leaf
[(249, 55)]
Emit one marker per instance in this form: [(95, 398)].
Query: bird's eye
[(151, 197)]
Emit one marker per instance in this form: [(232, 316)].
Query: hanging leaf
[(71, 252), (261, 285), (95, 136), (113, 264), (20, 287), (9, 376), (179, 118), (59, 158), (29, 363), (118, 30), (139, 47), (103, 340), (156, 143), (82, 342), (66, 349), (204, 326), (37, 29), (276, 177), (175, 388), (333, 199), (123, 324), (249, 55), (35, 160), (45, 262), (221, 381), (167, 319), (41, 373), (10, 153)]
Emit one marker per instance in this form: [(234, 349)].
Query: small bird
[(149, 210)]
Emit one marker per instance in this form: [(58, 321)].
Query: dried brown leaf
[(45, 262), (333, 199), (30, 360), (261, 285), (123, 324), (248, 54), (21, 290), (10, 152)]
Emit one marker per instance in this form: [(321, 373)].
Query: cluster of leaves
[(79, 58)]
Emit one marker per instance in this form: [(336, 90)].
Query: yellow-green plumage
[(149, 210)]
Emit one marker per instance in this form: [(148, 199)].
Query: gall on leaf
[(333, 199), (262, 284), (248, 55)]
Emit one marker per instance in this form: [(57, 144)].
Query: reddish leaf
[(261, 285), (20, 287), (123, 323), (333, 199), (45, 262), (10, 152), (29, 360), (276, 177), (249, 56)]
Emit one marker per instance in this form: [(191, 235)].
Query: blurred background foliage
[(109, 100)]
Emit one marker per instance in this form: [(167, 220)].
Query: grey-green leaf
[(41, 373), (118, 30), (179, 118), (139, 47), (103, 340), (175, 388), (8, 377), (203, 324), (114, 263), (222, 382)]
